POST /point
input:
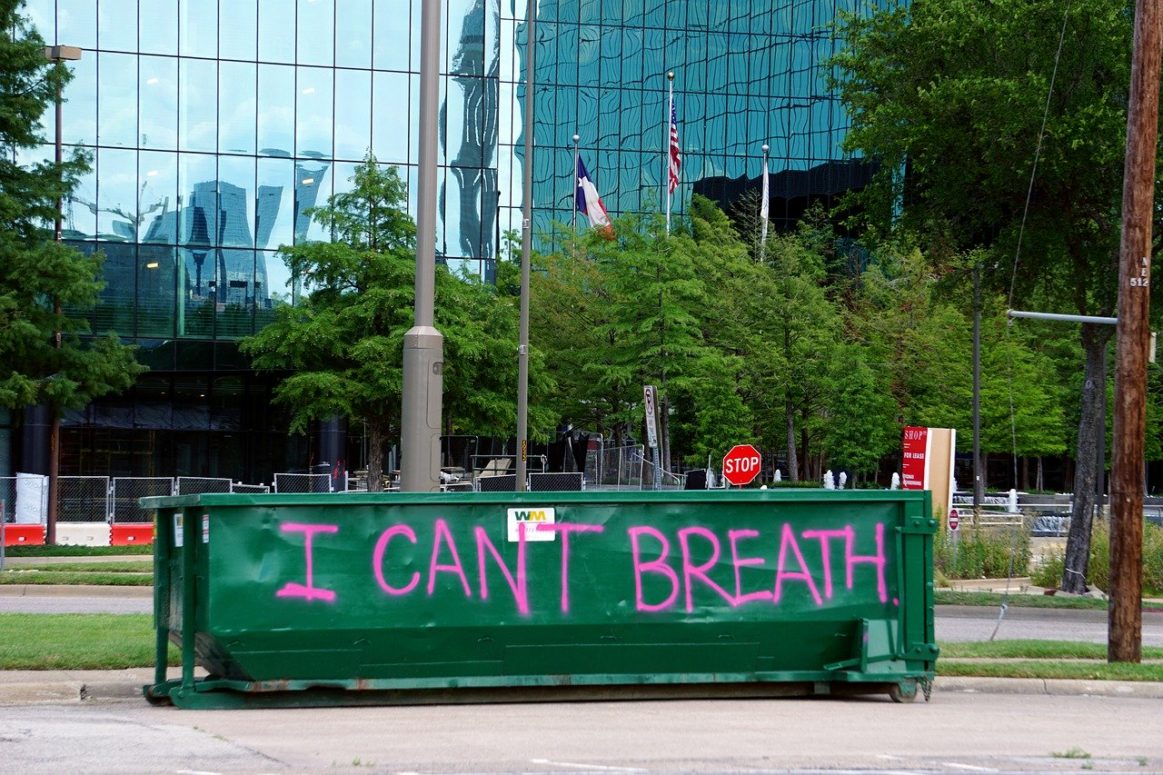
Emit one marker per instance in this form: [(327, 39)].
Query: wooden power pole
[(1133, 337)]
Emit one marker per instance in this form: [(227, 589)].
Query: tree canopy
[(44, 284)]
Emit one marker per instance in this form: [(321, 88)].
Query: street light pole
[(423, 390), (56, 54), (526, 248)]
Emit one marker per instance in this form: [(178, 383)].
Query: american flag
[(675, 151)]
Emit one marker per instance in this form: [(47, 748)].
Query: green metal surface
[(388, 593)]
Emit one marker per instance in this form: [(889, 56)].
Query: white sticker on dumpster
[(205, 528), (532, 517), (178, 528)]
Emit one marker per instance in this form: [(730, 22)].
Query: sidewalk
[(57, 687)]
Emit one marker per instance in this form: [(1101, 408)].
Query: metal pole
[(978, 479), (56, 54), (1125, 639), (423, 344), (1013, 313), (666, 145), (764, 211), (574, 193), (526, 247)]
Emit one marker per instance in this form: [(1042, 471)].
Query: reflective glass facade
[(214, 125)]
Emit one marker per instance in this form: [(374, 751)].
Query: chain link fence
[(83, 499), (250, 488), (290, 482), (616, 468), (127, 490), (198, 485)]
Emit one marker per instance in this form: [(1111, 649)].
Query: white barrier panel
[(31, 499), (83, 533)]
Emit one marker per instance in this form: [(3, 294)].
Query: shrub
[(1098, 568), (982, 552)]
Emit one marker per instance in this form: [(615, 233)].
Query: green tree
[(343, 344), (948, 98), (45, 286)]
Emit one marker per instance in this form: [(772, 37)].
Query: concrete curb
[(62, 687), (73, 590), (1053, 687)]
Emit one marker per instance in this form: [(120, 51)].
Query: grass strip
[(78, 642), (77, 551), (144, 565), (1080, 670), (109, 579), (1034, 649)]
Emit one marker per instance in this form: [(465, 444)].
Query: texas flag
[(589, 203)]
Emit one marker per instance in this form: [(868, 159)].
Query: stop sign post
[(741, 464)]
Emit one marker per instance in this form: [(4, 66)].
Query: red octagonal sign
[(741, 464)]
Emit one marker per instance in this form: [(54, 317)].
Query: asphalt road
[(953, 623), (957, 732)]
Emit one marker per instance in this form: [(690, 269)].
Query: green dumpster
[(389, 597)]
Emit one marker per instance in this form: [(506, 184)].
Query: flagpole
[(764, 206), (526, 250), (666, 145), (574, 192)]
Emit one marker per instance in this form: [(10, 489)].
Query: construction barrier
[(309, 599)]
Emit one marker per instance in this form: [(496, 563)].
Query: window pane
[(391, 35), (312, 187), (117, 100), (390, 120), (313, 116), (235, 202), (199, 28), (276, 109), (159, 102), (276, 31), (353, 33), (42, 16), (117, 194), (79, 111), (352, 113), (157, 267), (238, 30), (237, 113), (116, 27), (77, 23), (81, 206), (316, 25), (158, 194), (198, 105), (275, 209), (159, 28)]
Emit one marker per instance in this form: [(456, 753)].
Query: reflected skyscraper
[(215, 126)]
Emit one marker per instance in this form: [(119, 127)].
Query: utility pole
[(1133, 336), (978, 474)]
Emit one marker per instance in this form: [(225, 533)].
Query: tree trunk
[(793, 465), (1094, 339), (375, 457)]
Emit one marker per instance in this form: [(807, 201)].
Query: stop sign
[(741, 464), (954, 520)]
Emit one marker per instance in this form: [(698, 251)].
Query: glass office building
[(214, 125)]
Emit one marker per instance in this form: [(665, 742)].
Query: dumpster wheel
[(899, 692)]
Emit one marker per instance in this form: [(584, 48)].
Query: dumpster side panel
[(529, 589)]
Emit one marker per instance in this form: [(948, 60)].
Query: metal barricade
[(251, 488), (83, 499), (289, 482), (616, 468), (126, 491), (199, 485), (556, 482)]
